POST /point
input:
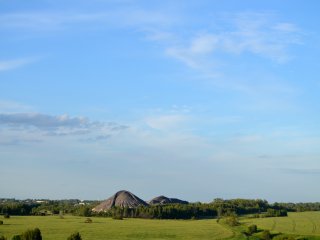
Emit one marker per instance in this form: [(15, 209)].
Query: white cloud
[(165, 122), (45, 21), (45, 126), (198, 53), (258, 34), (286, 27), (13, 107), (13, 64)]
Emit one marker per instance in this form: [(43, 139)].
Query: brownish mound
[(165, 200), (120, 199)]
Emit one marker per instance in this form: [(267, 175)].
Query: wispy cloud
[(7, 65), (210, 52), (13, 107), (45, 21), (60, 125), (50, 21), (196, 54), (165, 122), (257, 34)]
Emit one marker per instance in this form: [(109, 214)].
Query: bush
[(252, 229), (34, 234), (1, 222), (6, 215), (287, 237), (75, 236), (16, 237), (232, 221), (3, 238), (265, 235), (88, 220), (118, 217)]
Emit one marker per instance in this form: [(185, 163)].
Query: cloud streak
[(13, 64), (59, 125), (165, 122), (256, 34), (51, 21)]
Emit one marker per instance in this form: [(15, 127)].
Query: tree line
[(217, 208)]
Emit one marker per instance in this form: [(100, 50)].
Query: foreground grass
[(303, 223), (54, 228)]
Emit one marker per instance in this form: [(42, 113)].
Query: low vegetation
[(295, 226), (75, 236), (220, 219), (54, 228), (217, 208)]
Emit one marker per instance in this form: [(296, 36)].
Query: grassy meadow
[(302, 223), (54, 228)]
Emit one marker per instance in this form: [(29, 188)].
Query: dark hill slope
[(165, 200)]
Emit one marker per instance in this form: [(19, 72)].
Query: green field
[(304, 223), (54, 228)]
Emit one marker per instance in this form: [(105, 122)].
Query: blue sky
[(189, 99)]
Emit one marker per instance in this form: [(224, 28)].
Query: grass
[(54, 228), (304, 223)]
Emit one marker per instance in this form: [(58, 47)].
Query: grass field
[(54, 228), (304, 223)]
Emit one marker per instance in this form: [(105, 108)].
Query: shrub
[(285, 237), (118, 217), (3, 238), (265, 235), (232, 221), (34, 234), (75, 236), (252, 229), (16, 237), (88, 220), (6, 215), (1, 222)]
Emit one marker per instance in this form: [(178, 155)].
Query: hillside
[(165, 200), (120, 199)]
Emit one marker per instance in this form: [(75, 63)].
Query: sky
[(189, 99)]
